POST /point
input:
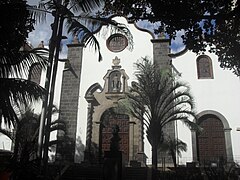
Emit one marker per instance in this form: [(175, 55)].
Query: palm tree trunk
[(50, 105), (154, 159), (54, 47), (47, 84), (174, 160), (16, 145)]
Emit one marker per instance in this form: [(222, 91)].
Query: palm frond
[(173, 145), (176, 101), (95, 23), (39, 13), (76, 28), (85, 5), (7, 133), (19, 92), (18, 63)]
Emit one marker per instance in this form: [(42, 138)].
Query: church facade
[(215, 90)]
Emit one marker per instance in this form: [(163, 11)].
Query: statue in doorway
[(113, 161), (114, 145), (116, 84)]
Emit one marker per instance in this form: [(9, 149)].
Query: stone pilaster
[(69, 102), (161, 52), (162, 60), (228, 142), (132, 149), (194, 146)]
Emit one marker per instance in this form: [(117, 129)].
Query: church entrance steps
[(95, 172)]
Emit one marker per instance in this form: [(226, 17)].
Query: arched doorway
[(122, 121), (222, 125), (211, 145)]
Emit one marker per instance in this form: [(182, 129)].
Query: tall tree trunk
[(51, 97), (174, 159), (47, 85), (154, 159), (16, 146)]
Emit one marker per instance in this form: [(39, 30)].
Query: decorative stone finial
[(41, 44), (75, 40), (116, 61), (161, 35)]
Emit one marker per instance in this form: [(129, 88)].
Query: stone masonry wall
[(69, 102), (161, 52), (161, 58)]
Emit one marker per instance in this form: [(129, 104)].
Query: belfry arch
[(214, 142)]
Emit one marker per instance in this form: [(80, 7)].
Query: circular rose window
[(117, 42)]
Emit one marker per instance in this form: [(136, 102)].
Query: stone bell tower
[(100, 119), (69, 101), (161, 58)]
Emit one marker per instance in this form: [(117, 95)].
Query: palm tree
[(157, 99), (173, 147), (25, 162), (16, 58), (85, 24)]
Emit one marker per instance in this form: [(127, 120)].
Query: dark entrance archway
[(122, 121), (211, 145)]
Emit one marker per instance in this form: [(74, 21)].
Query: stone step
[(95, 172), (136, 173)]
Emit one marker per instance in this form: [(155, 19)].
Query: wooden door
[(123, 122), (211, 141)]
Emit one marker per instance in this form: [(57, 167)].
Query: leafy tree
[(157, 99), (16, 57), (203, 23), (16, 23), (173, 147)]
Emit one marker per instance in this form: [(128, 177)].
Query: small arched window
[(204, 67)]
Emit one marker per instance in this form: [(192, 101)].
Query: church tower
[(101, 119), (69, 101), (161, 58)]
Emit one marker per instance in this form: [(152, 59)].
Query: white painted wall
[(94, 71)]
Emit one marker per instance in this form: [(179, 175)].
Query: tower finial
[(161, 35), (75, 39), (41, 44)]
